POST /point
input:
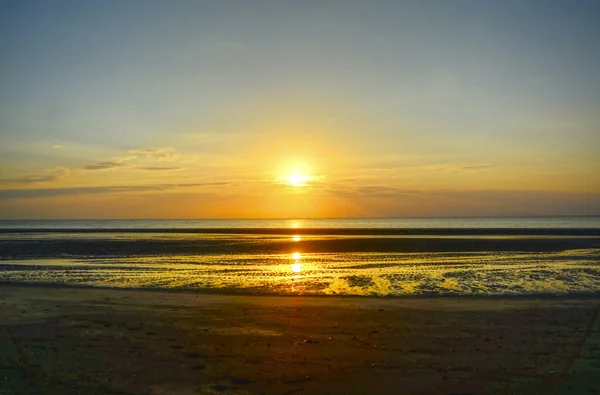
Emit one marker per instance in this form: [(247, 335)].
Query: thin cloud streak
[(146, 151), (371, 191), (157, 168), (435, 166), (51, 192), (108, 165), (32, 179), (37, 179), (157, 154)]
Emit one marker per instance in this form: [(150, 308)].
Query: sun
[(297, 175), (297, 180)]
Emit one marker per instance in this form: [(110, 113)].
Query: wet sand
[(128, 244), (61, 340)]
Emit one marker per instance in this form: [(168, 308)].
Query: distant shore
[(63, 340)]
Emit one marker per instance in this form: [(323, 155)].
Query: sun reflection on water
[(306, 272), (295, 224), (296, 266), (296, 238)]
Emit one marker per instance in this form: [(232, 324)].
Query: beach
[(299, 197), (151, 307), (69, 340)]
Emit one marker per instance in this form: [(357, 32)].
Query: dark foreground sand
[(98, 341)]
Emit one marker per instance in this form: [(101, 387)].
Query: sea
[(367, 257)]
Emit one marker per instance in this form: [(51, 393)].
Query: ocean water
[(351, 257), (337, 223)]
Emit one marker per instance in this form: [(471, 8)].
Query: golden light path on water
[(381, 274)]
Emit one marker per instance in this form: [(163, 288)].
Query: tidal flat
[(488, 262)]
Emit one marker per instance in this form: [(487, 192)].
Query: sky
[(298, 109)]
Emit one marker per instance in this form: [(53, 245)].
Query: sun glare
[(296, 174), (298, 180), (296, 267)]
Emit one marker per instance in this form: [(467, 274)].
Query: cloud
[(370, 191), (146, 151), (121, 159), (453, 167), (158, 168), (39, 178), (167, 157), (395, 164), (108, 165), (158, 154), (144, 155), (475, 167), (32, 179), (51, 192), (384, 191)]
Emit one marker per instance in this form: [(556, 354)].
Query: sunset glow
[(299, 110), (348, 196)]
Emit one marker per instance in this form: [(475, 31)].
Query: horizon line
[(305, 218)]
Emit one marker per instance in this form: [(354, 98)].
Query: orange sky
[(364, 109)]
